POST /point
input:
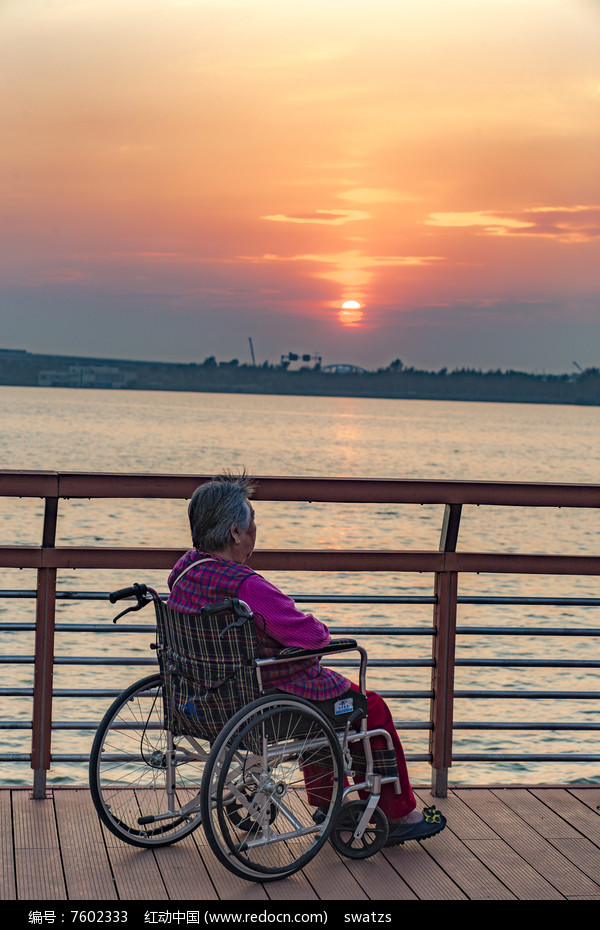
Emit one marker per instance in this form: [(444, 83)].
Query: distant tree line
[(394, 380)]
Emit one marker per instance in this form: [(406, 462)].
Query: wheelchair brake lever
[(127, 611), (142, 601), (240, 609)]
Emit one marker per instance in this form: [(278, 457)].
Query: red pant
[(394, 806)]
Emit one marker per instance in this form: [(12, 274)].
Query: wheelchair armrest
[(297, 652)]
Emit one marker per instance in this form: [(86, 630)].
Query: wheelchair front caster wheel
[(373, 838)]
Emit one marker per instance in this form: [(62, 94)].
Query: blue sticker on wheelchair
[(191, 710), (343, 707)]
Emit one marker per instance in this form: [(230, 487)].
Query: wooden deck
[(500, 844)]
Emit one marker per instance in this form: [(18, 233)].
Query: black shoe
[(433, 822), (320, 815)]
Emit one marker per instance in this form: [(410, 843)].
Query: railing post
[(41, 737), (442, 684), (444, 647)]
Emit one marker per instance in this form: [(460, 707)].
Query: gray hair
[(217, 506)]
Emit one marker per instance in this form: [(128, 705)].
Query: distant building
[(85, 376), (344, 370)]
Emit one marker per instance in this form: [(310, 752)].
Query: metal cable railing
[(370, 630), (445, 565)]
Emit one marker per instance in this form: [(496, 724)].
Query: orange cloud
[(566, 224), (321, 217), (352, 269)]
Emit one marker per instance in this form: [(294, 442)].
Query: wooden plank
[(530, 846), (187, 870), (591, 798), (230, 887), (85, 860), (184, 872), (589, 897), (295, 888), (153, 874), (379, 880), (463, 821), (34, 822), (470, 874), (583, 854), (532, 809), (37, 855), (421, 873), (458, 861), (518, 876), (576, 806), (8, 883), (136, 873), (39, 875), (330, 877), (422, 866)]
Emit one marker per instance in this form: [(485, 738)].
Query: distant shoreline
[(21, 368)]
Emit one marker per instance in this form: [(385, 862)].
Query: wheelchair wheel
[(373, 838), (129, 767), (279, 762)]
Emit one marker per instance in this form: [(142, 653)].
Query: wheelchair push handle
[(240, 608), (135, 590), (142, 593)]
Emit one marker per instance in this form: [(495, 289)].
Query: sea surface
[(190, 433)]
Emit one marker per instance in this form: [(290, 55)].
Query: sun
[(351, 313)]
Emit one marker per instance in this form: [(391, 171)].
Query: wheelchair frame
[(256, 787)]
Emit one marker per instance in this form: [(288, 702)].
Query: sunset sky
[(181, 175)]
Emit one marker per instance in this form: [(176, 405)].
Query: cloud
[(349, 258), (403, 260), (350, 269), (497, 225), (578, 223), (322, 217), (152, 255), (569, 224)]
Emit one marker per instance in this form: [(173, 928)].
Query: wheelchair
[(267, 774)]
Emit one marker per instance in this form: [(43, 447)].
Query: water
[(178, 433)]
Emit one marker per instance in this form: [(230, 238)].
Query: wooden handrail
[(21, 483)]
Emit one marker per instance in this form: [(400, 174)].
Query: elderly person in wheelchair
[(223, 535)]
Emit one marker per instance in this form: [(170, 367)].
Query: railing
[(445, 563)]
